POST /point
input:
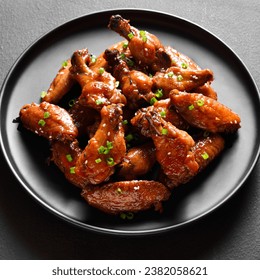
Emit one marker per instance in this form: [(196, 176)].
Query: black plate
[(26, 153)]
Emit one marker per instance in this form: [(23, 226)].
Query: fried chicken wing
[(105, 149), (98, 88), (205, 113), (126, 196), (60, 85), (138, 161), (173, 146), (135, 85), (48, 120), (181, 79), (144, 46)]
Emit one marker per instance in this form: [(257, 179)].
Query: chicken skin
[(126, 196), (49, 121), (205, 113), (144, 46)]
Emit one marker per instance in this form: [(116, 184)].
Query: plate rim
[(100, 228)]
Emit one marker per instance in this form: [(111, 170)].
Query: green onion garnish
[(119, 190), (125, 45), (153, 100), (98, 160), (125, 122), (41, 122), (191, 107), (163, 114), (99, 101), (43, 94), (200, 102), (129, 137), (71, 102), (110, 161), (64, 63), (184, 65), (69, 158), (72, 170), (93, 58), (143, 35), (170, 74), (164, 131), (159, 93), (130, 35), (179, 78), (205, 155), (46, 115), (101, 70)]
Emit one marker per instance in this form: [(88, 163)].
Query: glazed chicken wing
[(205, 113), (144, 46), (98, 88), (173, 146), (105, 149), (126, 196), (181, 79), (48, 120)]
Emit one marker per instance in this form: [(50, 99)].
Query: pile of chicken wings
[(150, 118)]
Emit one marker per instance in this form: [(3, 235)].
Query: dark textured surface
[(30, 232)]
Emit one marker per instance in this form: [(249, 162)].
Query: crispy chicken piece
[(173, 146), (181, 79), (60, 85), (126, 196), (48, 120), (182, 61), (65, 156), (98, 88), (138, 161), (135, 85), (144, 46), (105, 149), (205, 113)]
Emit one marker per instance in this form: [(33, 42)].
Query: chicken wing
[(48, 120), (105, 149), (126, 196), (144, 46), (173, 146), (205, 113)]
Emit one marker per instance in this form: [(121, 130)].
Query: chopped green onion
[(163, 113), (46, 115), (125, 45), (122, 56), (103, 150), (205, 155), (109, 145), (129, 62), (123, 216), (170, 74), (164, 131), (184, 65), (125, 122), (179, 78), (159, 93), (99, 101), (72, 102), (98, 160), (69, 158), (101, 70), (191, 107), (41, 122), (130, 35), (200, 102), (143, 35), (93, 58), (64, 63), (43, 94), (153, 100), (128, 216), (129, 137), (110, 161), (72, 170)]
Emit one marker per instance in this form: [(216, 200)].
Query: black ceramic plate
[(34, 70)]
